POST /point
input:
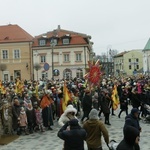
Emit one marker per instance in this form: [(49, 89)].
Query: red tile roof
[(13, 33), (75, 37)]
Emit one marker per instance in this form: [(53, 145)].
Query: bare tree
[(37, 67)]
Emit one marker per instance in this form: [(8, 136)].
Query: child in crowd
[(39, 119), (23, 121)]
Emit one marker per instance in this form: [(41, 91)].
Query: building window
[(5, 54), (43, 59), (137, 66), (5, 77), (129, 60), (42, 42), (66, 57), (67, 74), (16, 54), (79, 73), (137, 60), (54, 41), (65, 41), (130, 67), (44, 75), (78, 57)]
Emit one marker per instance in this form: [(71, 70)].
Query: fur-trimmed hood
[(70, 108)]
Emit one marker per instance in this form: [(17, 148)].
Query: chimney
[(58, 27)]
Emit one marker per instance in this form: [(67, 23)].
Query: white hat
[(70, 108)]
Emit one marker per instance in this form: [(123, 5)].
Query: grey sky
[(116, 24)]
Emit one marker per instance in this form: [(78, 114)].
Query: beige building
[(15, 52), (119, 64), (133, 62), (128, 63), (65, 53)]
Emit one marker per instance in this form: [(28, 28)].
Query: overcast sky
[(113, 24)]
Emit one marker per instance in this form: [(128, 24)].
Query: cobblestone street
[(49, 140)]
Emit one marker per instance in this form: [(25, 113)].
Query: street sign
[(46, 66)]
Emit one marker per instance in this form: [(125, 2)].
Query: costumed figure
[(7, 118), (39, 119), (47, 113)]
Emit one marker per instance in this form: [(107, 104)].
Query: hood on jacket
[(70, 108), (130, 134)]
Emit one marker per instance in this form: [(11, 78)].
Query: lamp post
[(52, 43)]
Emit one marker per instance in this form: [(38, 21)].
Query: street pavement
[(48, 140)]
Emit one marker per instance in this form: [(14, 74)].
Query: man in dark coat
[(132, 120), (16, 113), (131, 138), (31, 118), (123, 103), (105, 105), (86, 104), (73, 136)]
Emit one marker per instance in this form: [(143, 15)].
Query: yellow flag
[(66, 96), (115, 98)]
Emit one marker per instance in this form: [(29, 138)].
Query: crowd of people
[(31, 106)]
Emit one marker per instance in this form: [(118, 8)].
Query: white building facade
[(61, 54), (146, 58)]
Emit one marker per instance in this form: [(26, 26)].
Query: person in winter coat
[(132, 120), (23, 121), (131, 138), (95, 129), (86, 104), (69, 113), (15, 113), (95, 101), (105, 105), (47, 113), (73, 138), (30, 117), (123, 102), (39, 119)]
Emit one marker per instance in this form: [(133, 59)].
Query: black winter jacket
[(74, 138), (131, 120), (128, 143)]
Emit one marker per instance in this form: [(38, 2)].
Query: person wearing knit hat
[(95, 129), (132, 119)]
